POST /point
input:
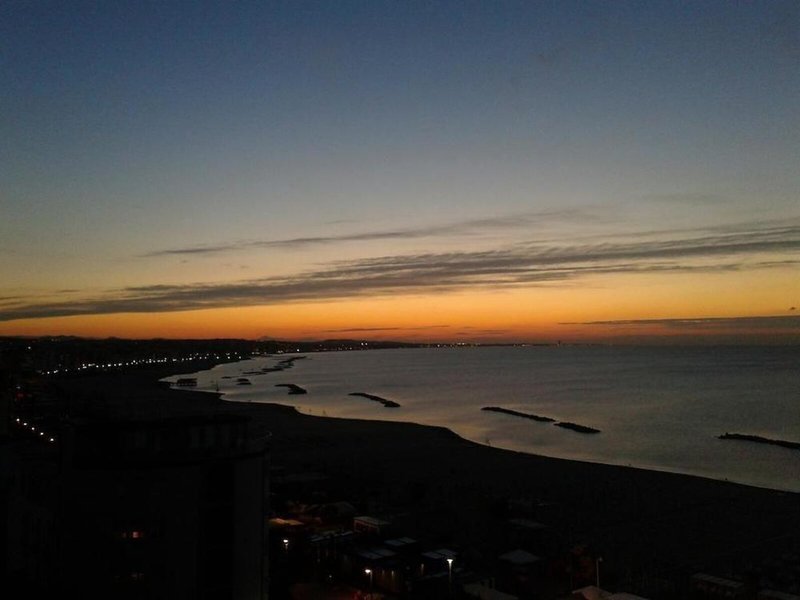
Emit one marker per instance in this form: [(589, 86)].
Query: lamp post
[(369, 572), (597, 562), (450, 576), (286, 545)]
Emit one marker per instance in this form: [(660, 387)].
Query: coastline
[(682, 447), (643, 519)]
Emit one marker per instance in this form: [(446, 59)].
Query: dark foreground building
[(169, 508)]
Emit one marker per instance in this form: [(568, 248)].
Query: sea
[(659, 408)]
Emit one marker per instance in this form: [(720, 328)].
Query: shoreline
[(643, 520), (205, 400), (191, 399), (215, 399), (566, 425)]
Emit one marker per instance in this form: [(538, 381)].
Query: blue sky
[(133, 131)]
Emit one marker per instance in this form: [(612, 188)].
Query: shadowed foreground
[(653, 529)]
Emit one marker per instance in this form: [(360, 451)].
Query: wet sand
[(645, 523)]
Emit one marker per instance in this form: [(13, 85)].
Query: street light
[(369, 572), (285, 545), (450, 576)]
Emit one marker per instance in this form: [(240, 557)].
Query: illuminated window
[(134, 534)]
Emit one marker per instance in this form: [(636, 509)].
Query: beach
[(652, 408), (647, 524)]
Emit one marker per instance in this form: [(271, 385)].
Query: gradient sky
[(445, 171)]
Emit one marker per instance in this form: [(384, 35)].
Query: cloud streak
[(461, 228), (726, 323), (373, 329), (686, 198), (522, 265)]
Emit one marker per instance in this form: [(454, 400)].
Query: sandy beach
[(646, 524)]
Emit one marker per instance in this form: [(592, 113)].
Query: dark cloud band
[(523, 265), (727, 323)]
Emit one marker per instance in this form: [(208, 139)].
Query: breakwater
[(541, 419), (293, 388), (516, 413), (576, 427), (760, 440), (386, 403)]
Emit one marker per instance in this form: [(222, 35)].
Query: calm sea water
[(659, 408)]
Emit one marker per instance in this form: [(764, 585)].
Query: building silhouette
[(142, 507)]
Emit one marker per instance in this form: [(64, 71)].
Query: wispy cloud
[(473, 331), (373, 329), (531, 264), (727, 323), (691, 198), (460, 228)]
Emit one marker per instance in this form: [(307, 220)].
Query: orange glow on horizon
[(517, 315)]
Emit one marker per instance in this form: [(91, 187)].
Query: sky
[(427, 171)]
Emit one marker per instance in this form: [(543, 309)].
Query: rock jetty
[(576, 427), (760, 440), (386, 403), (541, 419), (293, 389), (516, 413)]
